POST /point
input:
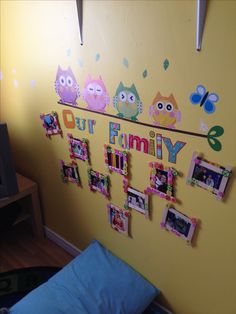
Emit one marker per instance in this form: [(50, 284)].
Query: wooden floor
[(18, 249)]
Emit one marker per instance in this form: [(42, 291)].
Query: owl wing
[(115, 101), (77, 90), (107, 99), (178, 116), (151, 110), (56, 85), (140, 107)]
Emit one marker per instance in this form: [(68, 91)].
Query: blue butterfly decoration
[(205, 99)]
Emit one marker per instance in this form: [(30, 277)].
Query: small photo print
[(118, 218), (70, 172), (207, 176), (51, 123), (161, 180), (98, 182), (78, 148), (138, 201), (178, 223)]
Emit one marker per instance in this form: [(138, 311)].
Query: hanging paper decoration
[(208, 176), (201, 13), (70, 172), (205, 99), (97, 57), (162, 181), (116, 160), (51, 123), (118, 219), (78, 148), (126, 63), (166, 64), (66, 86), (32, 83), (138, 201), (178, 223), (98, 182), (214, 132), (95, 94), (145, 73), (164, 111), (127, 102)]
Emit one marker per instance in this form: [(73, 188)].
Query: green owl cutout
[(127, 102)]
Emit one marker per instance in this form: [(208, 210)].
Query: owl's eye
[(160, 106), (131, 98), (169, 107), (99, 90), (62, 80), (90, 89), (69, 81), (122, 96)]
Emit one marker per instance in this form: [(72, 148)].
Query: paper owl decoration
[(164, 111), (127, 102), (95, 94), (66, 86)]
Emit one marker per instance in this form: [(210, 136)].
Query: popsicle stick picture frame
[(116, 160), (69, 172), (98, 182), (162, 181), (209, 176), (78, 148), (138, 201), (51, 123), (178, 223), (118, 219)]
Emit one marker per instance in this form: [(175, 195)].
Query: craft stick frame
[(98, 182), (70, 172), (162, 181), (118, 219), (116, 160), (138, 201), (178, 223), (209, 176), (78, 148), (51, 123)]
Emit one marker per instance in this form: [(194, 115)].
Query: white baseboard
[(56, 238)]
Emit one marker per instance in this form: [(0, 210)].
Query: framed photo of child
[(98, 182), (118, 219), (208, 176), (138, 201), (78, 148), (162, 181), (178, 223), (70, 172)]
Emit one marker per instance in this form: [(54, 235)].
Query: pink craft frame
[(209, 176), (78, 148), (116, 160), (53, 127), (70, 172), (118, 219), (162, 189), (178, 223)]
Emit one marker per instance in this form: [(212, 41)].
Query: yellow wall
[(35, 38)]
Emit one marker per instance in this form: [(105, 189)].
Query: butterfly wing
[(196, 97), (209, 107), (213, 97)]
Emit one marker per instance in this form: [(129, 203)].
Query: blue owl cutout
[(205, 99)]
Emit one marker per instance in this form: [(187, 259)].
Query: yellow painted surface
[(37, 36)]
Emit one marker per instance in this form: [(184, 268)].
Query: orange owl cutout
[(164, 111)]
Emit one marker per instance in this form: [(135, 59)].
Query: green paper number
[(214, 132)]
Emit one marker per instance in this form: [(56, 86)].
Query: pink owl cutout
[(95, 94), (66, 86)]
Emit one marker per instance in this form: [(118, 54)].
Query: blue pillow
[(95, 282)]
